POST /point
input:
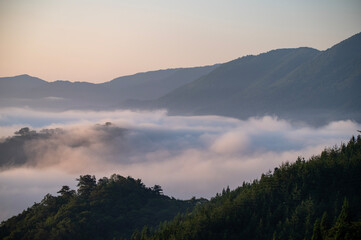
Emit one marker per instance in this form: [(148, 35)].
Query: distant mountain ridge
[(239, 78), (154, 84), (301, 84), (25, 90)]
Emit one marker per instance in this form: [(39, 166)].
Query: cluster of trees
[(12, 149), (110, 208), (315, 199), (18, 149)]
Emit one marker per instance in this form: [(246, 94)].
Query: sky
[(96, 41)]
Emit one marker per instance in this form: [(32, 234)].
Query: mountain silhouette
[(316, 86), (301, 84), (28, 91)]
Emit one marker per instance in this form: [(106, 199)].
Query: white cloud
[(187, 156), (230, 143)]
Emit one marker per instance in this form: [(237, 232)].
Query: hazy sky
[(93, 40)]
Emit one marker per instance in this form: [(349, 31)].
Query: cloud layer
[(187, 156)]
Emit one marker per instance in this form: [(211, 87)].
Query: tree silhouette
[(86, 184)]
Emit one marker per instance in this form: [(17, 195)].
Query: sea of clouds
[(187, 156)]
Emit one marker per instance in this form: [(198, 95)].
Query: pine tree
[(343, 221), (317, 235)]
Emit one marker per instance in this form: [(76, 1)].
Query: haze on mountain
[(25, 90), (301, 84)]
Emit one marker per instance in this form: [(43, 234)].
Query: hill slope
[(111, 208), (318, 198), (154, 84), (290, 83)]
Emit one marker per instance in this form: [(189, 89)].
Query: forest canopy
[(106, 208)]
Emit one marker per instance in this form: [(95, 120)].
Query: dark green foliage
[(66, 193), (112, 208), (287, 204), (317, 235), (86, 185)]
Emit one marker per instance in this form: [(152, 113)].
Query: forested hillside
[(315, 199), (110, 208)]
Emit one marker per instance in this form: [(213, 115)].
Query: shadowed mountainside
[(292, 83), (24, 90)]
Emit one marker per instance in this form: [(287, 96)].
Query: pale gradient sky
[(96, 41)]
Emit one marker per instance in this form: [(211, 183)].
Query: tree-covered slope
[(111, 208), (299, 84), (319, 199), (331, 80)]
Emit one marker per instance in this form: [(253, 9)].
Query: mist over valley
[(264, 146)]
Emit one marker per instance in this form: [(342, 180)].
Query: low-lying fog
[(187, 156)]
